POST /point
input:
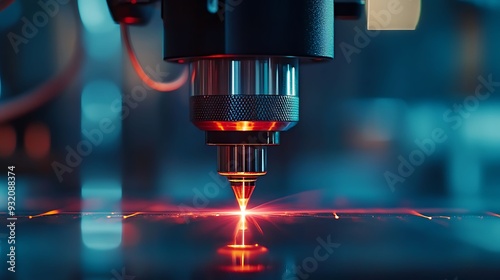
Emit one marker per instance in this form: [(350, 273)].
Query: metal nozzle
[(242, 165), (243, 189), (242, 160), (243, 104)]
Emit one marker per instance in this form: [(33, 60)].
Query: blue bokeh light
[(95, 16)]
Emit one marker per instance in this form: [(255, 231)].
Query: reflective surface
[(262, 245)]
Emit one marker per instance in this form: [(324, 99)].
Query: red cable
[(5, 3), (159, 86)]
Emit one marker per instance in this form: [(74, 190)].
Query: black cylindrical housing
[(285, 28), (255, 138)]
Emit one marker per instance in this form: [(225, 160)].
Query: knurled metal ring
[(277, 108)]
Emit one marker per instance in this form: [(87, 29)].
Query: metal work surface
[(291, 245)]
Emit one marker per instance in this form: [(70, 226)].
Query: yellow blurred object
[(393, 14)]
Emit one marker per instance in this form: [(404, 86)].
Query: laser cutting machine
[(244, 59), (130, 162)]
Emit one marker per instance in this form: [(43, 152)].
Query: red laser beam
[(431, 213)]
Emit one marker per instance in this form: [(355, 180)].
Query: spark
[(131, 215), (277, 210), (442, 217), (413, 212), (493, 214), (51, 212)]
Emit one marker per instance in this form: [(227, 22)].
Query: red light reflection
[(242, 253), (241, 258)]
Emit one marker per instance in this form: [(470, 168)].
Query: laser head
[(243, 104), (245, 74)]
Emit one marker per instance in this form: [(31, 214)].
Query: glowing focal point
[(243, 190)]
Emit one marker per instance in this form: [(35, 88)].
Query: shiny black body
[(283, 28)]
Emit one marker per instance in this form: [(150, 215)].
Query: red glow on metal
[(241, 258), (193, 74), (51, 212), (243, 125), (245, 246)]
